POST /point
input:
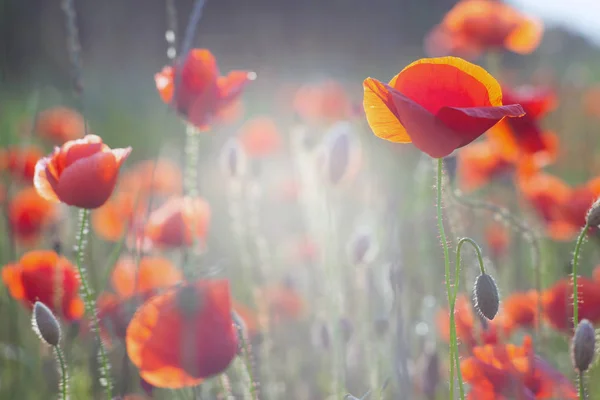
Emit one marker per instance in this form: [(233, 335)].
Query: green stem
[(578, 244), (248, 363), (581, 387), (90, 303), (453, 345), (64, 377)]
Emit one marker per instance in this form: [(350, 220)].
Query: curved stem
[(453, 345), (578, 244), (473, 243), (90, 304), (64, 377)]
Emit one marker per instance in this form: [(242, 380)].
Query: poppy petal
[(378, 105), (11, 276), (42, 183)]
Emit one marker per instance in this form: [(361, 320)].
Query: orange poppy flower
[(60, 125), (179, 222), (260, 137), (81, 173), (179, 338), (201, 93), (522, 136), (497, 238), (479, 163), (47, 277), (20, 162), (28, 214), (133, 284), (557, 303), (466, 331), (158, 177), (498, 372), (122, 213), (322, 103), (474, 26), (280, 302), (436, 115), (520, 309)]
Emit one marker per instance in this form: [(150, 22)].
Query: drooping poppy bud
[(45, 324), (593, 215), (583, 345), (487, 299)]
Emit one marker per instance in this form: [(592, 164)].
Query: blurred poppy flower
[(480, 163), (474, 26), (436, 115), (157, 177), (260, 137), (81, 173), (507, 371), (562, 208), (123, 212), (20, 162), (557, 303), (591, 101), (28, 214), (521, 309), (179, 338), (132, 285), (180, 221), (60, 125), (322, 103), (466, 331), (280, 302), (201, 94), (47, 277), (518, 137), (497, 239)]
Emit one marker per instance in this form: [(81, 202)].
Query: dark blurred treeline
[(275, 37)]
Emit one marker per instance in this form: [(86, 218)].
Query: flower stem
[(581, 387), (248, 362), (578, 244), (453, 345), (90, 303), (64, 375)]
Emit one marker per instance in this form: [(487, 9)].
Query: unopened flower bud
[(233, 159), (45, 324), (487, 299), (593, 215), (583, 345)]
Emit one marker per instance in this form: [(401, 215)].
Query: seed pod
[(45, 324), (583, 345), (487, 299), (593, 214)]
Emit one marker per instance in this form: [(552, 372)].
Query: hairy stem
[(578, 244), (64, 375), (90, 303)]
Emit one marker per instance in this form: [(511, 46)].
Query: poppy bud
[(45, 324), (233, 159), (340, 153), (362, 248), (583, 345), (593, 215), (487, 299)]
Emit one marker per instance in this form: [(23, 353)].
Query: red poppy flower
[(497, 239), (133, 284), (260, 137), (562, 208), (479, 163), (523, 136), (179, 222), (280, 302), (28, 214), (60, 125), (45, 276), (122, 213), (557, 303), (467, 332), (201, 93), (20, 162), (521, 309), (183, 336), (81, 173), (436, 115), (502, 372), (322, 103), (474, 26)]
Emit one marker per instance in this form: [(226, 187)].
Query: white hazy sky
[(578, 15)]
